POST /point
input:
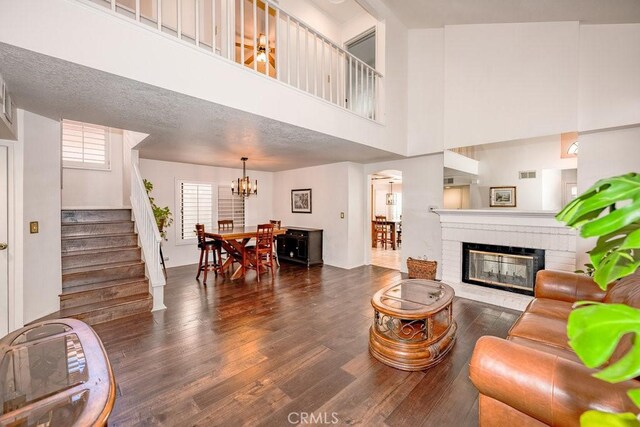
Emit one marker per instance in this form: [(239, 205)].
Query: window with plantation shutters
[(230, 206), (196, 207), (85, 145)]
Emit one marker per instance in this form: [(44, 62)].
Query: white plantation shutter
[(85, 145), (196, 207), (230, 206)]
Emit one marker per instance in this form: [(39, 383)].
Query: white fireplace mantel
[(503, 227)]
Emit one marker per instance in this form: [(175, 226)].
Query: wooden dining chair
[(224, 224), (381, 230), (261, 255), (205, 247), (277, 224)]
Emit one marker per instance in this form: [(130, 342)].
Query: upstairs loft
[(308, 84)]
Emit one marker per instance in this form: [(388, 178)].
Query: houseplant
[(163, 216), (610, 212)]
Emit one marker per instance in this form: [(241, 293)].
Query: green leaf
[(613, 221), (604, 419), (616, 265), (594, 331), (634, 395)]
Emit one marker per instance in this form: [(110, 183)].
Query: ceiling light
[(244, 188), (391, 196), (336, 1)]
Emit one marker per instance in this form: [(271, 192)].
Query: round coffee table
[(413, 327)]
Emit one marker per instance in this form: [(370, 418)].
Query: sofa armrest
[(549, 388), (569, 287)]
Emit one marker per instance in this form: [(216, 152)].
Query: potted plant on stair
[(163, 216), (610, 212)]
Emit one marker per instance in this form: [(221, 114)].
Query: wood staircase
[(103, 275)]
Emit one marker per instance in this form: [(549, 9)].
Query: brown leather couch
[(533, 377)]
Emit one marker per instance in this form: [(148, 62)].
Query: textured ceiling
[(437, 13), (181, 128)]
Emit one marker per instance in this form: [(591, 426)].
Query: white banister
[(349, 82), (148, 236)]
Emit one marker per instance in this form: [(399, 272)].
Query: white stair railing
[(268, 41), (148, 235)]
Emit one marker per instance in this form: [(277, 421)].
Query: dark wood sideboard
[(302, 245)]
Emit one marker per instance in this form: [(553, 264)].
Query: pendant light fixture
[(391, 196), (244, 187)]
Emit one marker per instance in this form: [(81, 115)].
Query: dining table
[(234, 241)]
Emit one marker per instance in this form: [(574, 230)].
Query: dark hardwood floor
[(234, 353)]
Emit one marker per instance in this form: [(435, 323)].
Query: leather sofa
[(533, 377)]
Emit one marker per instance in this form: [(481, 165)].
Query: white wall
[(331, 190), (421, 189), (163, 175), (609, 76), (310, 14), (603, 155), (500, 163), (41, 192), (356, 214), (88, 188), (425, 95), (509, 81)]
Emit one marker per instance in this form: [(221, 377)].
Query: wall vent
[(448, 181), (527, 174)]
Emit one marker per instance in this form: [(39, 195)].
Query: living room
[(487, 97)]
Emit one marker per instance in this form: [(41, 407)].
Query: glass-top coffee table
[(413, 327)]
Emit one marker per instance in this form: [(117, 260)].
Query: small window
[(85, 146), (230, 206), (196, 207)]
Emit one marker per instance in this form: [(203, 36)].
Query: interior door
[(4, 237)]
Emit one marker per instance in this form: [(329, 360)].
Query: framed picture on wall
[(301, 201), (503, 197)]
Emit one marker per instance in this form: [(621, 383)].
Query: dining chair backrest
[(276, 223), (380, 222), (200, 233), (264, 237), (225, 224), (381, 218)]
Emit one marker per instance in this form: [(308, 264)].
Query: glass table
[(55, 373), (413, 326)]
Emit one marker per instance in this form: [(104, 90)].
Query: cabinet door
[(303, 248)]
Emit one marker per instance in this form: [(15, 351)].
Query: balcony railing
[(261, 36)]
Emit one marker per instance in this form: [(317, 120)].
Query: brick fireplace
[(530, 230)]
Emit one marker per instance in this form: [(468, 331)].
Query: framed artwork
[(503, 197), (301, 201)]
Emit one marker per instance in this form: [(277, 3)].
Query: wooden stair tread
[(97, 236), (104, 305), (99, 250), (115, 221), (99, 267), (68, 292)]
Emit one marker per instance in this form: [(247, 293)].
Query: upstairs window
[(85, 146), (196, 207), (230, 206)]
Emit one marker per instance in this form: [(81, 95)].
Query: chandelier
[(391, 196), (243, 187)]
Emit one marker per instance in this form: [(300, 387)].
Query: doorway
[(4, 238), (386, 219)]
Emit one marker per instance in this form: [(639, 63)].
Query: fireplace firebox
[(503, 267)]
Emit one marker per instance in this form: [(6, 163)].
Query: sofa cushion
[(544, 329), (550, 308), (625, 291)]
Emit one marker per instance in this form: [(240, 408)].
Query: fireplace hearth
[(502, 267)]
